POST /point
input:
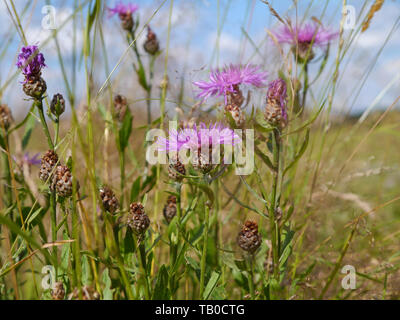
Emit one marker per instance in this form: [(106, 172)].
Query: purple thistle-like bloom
[(30, 61), (306, 34), (225, 80), (123, 9), (193, 138)]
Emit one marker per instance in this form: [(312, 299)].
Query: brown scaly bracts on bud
[(176, 170), (151, 45), (88, 293), (236, 114), (109, 200), (120, 107), (57, 105), (5, 117), (275, 109), (236, 97), (203, 162), (62, 181), (58, 292), (34, 86), (126, 21), (234, 102), (304, 51), (249, 239), (49, 160), (169, 210), (138, 220)]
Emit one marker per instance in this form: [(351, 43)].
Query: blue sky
[(193, 40)]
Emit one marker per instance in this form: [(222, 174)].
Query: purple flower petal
[(30, 61), (307, 33), (123, 9), (223, 81)]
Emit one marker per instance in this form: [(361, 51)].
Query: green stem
[(274, 228), (143, 265), (122, 173), (204, 254), (39, 105), (53, 202), (251, 277)]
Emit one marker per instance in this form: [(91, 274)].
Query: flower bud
[(57, 105), (151, 45), (138, 219), (109, 200), (275, 109), (5, 117), (249, 239), (169, 210)]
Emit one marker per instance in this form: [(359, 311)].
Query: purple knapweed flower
[(229, 78), (123, 9), (304, 38), (308, 33), (30, 61), (193, 138)]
